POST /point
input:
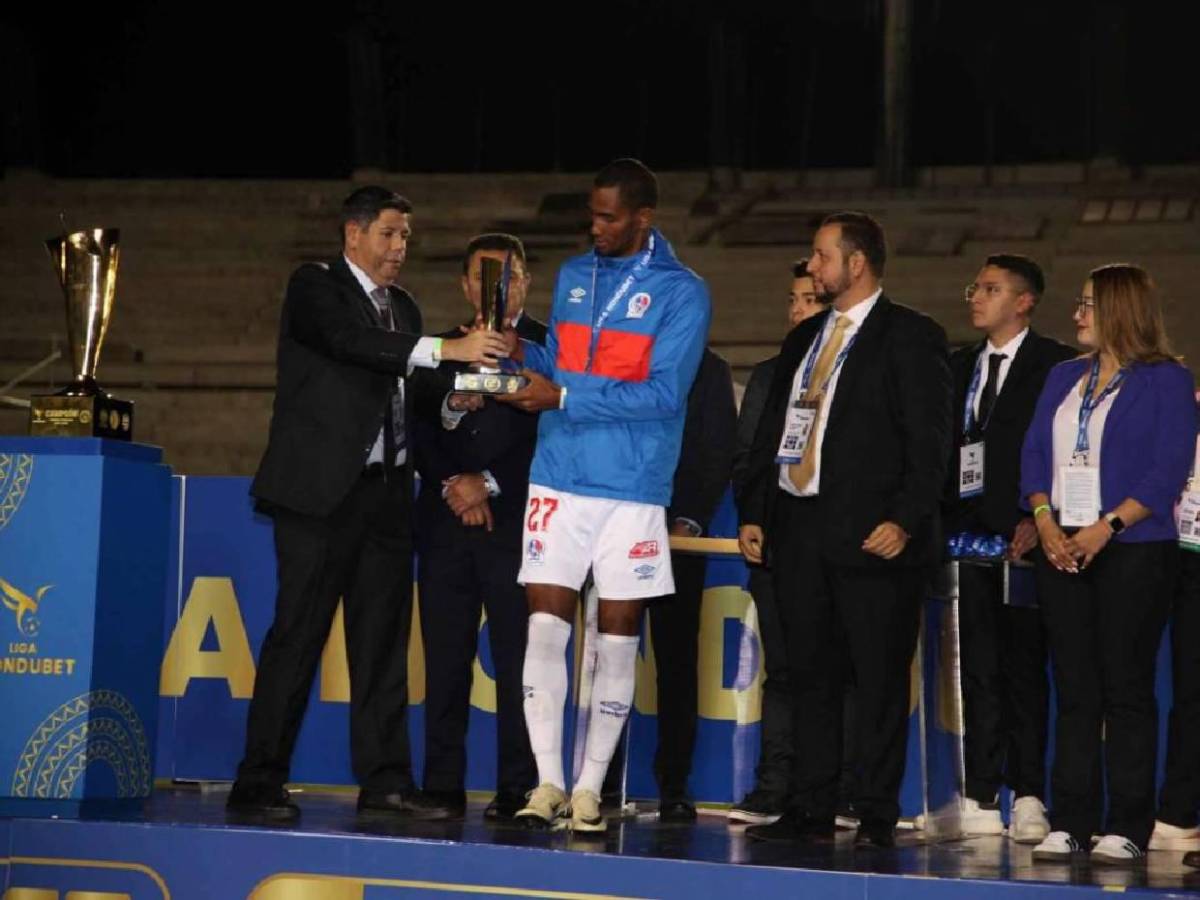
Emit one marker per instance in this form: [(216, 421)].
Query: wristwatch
[(1115, 523)]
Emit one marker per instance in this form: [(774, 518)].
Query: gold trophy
[(493, 304), (86, 265)]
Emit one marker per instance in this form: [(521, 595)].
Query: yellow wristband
[(1037, 510)]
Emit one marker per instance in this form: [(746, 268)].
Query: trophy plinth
[(86, 265), (493, 301)]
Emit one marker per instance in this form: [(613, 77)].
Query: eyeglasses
[(990, 291), (1083, 305)]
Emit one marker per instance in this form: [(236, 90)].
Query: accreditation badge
[(1079, 488), (797, 431), (1187, 518), (970, 469)]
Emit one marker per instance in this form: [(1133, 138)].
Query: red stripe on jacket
[(619, 354)]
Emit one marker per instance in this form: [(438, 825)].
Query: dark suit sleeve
[(320, 318), (922, 397), (753, 401), (706, 457)]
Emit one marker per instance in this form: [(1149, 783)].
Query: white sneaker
[(1115, 850), (546, 805), (1058, 846), (979, 819), (1172, 837), (585, 812), (1029, 824)]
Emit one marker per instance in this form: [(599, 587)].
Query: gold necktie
[(801, 473)]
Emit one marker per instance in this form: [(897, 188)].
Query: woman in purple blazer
[(1104, 461)]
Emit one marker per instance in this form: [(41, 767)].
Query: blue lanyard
[(811, 362), (624, 287), (1088, 406)]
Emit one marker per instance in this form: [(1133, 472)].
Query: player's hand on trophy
[(480, 345), (464, 402), (478, 516), (541, 393), (464, 491)]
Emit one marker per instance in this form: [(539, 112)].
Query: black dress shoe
[(264, 803), (409, 804), (876, 834), (676, 809), (1192, 858), (504, 807), (455, 801), (792, 827)]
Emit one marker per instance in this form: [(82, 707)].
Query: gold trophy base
[(81, 415), (488, 383)]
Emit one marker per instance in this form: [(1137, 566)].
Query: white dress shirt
[(422, 355), (1066, 430), (857, 314), (1010, 351)]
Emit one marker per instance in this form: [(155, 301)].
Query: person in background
[(1103, 463)]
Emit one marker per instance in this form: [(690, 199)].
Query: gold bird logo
[(23, 606)]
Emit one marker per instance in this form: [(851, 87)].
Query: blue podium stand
[(84, 545)]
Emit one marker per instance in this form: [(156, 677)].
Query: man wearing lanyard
[(626, 333), (842, 496), (1005, 690)]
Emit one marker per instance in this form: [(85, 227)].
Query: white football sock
[(544, 681), (612, 694)]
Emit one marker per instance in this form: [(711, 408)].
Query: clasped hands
[(467, 496), (1075, 553)]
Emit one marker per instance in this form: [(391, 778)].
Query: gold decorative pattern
[(101, 726), (16, 470)]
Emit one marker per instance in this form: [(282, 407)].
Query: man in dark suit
[(765, 803), (1005, 690), (474, 481), (336, 479), (844, 484), (701, 476)]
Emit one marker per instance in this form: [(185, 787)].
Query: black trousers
[(1006, 690), (361, 553), (479, 572), (1104, 627), (841, 622), (675, 631), (775, 756), (1179, 800)]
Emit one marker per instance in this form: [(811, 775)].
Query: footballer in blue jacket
[(627, 329)]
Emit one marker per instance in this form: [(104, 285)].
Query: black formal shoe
[(1192, 858), (757, 808), (504, 807), (676, 809), (792, 827), (875, 834), (264, 803), (409, 804), (455, 801)]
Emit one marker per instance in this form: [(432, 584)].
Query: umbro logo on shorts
[(614, 708), (644, 550), (645, 571)]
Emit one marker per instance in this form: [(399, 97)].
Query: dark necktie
[(992, 387), (393, 414)]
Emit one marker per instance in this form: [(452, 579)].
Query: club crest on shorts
[(638, 304), (645, 571), (644, 550), (536, 551)]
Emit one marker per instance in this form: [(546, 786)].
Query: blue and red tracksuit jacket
[(627, 378)]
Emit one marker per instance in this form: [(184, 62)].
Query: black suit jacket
[(336, 367), (706, 454), (754, 399), (886, 439), (997, 510), (497, 437)]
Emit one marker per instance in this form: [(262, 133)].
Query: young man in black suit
[(997, 382), (337, 480), (844, 485), (474, 481)]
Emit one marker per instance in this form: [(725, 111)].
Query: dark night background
[(157, 89)]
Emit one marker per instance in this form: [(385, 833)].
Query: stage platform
[(180, 845)]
